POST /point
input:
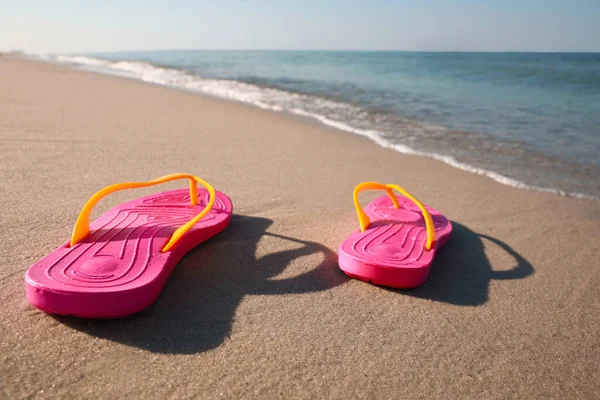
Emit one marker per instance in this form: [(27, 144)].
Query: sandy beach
[(511, 308)]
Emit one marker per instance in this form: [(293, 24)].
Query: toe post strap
[(82, 225), (364, 220)]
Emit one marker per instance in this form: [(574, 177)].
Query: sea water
[(530, 120)]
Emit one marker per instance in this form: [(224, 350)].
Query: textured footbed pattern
[(119, 268), (391, 252)]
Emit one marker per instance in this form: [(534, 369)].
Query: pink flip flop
[(397, 240), (118, 265)]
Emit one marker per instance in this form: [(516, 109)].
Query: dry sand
[(511, 308)]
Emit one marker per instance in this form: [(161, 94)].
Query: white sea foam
[(377, 138), (276, 100), (79, 60)]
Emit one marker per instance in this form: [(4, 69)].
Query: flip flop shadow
[(461, 272), (196, 309)]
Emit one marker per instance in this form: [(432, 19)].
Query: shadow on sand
[(196, 310), (461, 272)]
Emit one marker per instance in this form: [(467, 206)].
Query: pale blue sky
[(483, 25)]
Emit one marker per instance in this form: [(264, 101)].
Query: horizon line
[(315, 50)]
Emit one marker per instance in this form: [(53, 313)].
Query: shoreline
[(262, 310), (79, 63)]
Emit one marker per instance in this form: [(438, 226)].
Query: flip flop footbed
[(391, 251), (119, 269)]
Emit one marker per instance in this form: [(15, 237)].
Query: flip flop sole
[(119, 269), (391, 251)]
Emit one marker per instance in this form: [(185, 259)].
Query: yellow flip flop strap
[(82, 226), (364, 220)]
